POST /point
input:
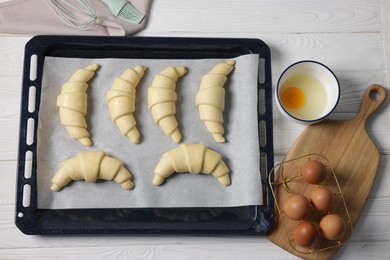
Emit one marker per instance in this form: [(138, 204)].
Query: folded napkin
[(35, 17)]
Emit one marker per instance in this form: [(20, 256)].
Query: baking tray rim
[(31, 220)]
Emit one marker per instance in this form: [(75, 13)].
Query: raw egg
[(313, 172), (297, 207), (333, 226), (305, 234), (303, 96), (321, 199), (293, 97)]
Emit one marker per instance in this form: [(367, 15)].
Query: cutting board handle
[(373, 97)]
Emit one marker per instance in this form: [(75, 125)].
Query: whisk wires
[(75, 13)]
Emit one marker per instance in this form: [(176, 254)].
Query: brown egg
[(321, 199), (305, 234), (333, 226), (313, 172), (297, 207)]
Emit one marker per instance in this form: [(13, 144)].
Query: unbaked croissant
[(192, 158), (121, 102), (162, 100), (73, 102), (90, 166), (210, 99)]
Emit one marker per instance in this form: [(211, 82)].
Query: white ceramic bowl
[(307, 91)]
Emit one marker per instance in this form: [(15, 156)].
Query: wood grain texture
[(351, 153), (187, 252), (12, 49), (10, 90), (10, 136), (287, 131), (218, 16), (7, 183), (350, 36), (385, 14)]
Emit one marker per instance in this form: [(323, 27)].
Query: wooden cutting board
[(351, 153)]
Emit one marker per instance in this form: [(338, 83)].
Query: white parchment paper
[(240, 152)]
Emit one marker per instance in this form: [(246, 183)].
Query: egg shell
[(313, 172), (333, 226), (305, 234), (321, 199), (297, 207)]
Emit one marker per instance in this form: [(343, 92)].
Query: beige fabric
[(35, 17)]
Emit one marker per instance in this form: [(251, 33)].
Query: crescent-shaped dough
[(72, 103), (162, 100), (121, 102), (210, 99), (90, 166), (192, 158)]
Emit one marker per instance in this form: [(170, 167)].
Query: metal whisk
[(75, 13)]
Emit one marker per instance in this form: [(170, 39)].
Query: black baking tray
[(30, 219)]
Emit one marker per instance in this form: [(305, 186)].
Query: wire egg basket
[(289, 182)]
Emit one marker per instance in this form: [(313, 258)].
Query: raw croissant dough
[(90, 166), (210, 99), (121, 102), (193, 158), (161, 100), (72, 103)]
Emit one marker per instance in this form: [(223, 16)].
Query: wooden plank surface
[(219, 17), (350, 36), (354, 157)]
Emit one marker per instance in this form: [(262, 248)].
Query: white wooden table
[(350, 36)]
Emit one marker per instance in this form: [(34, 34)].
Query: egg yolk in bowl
[(293, 97)]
